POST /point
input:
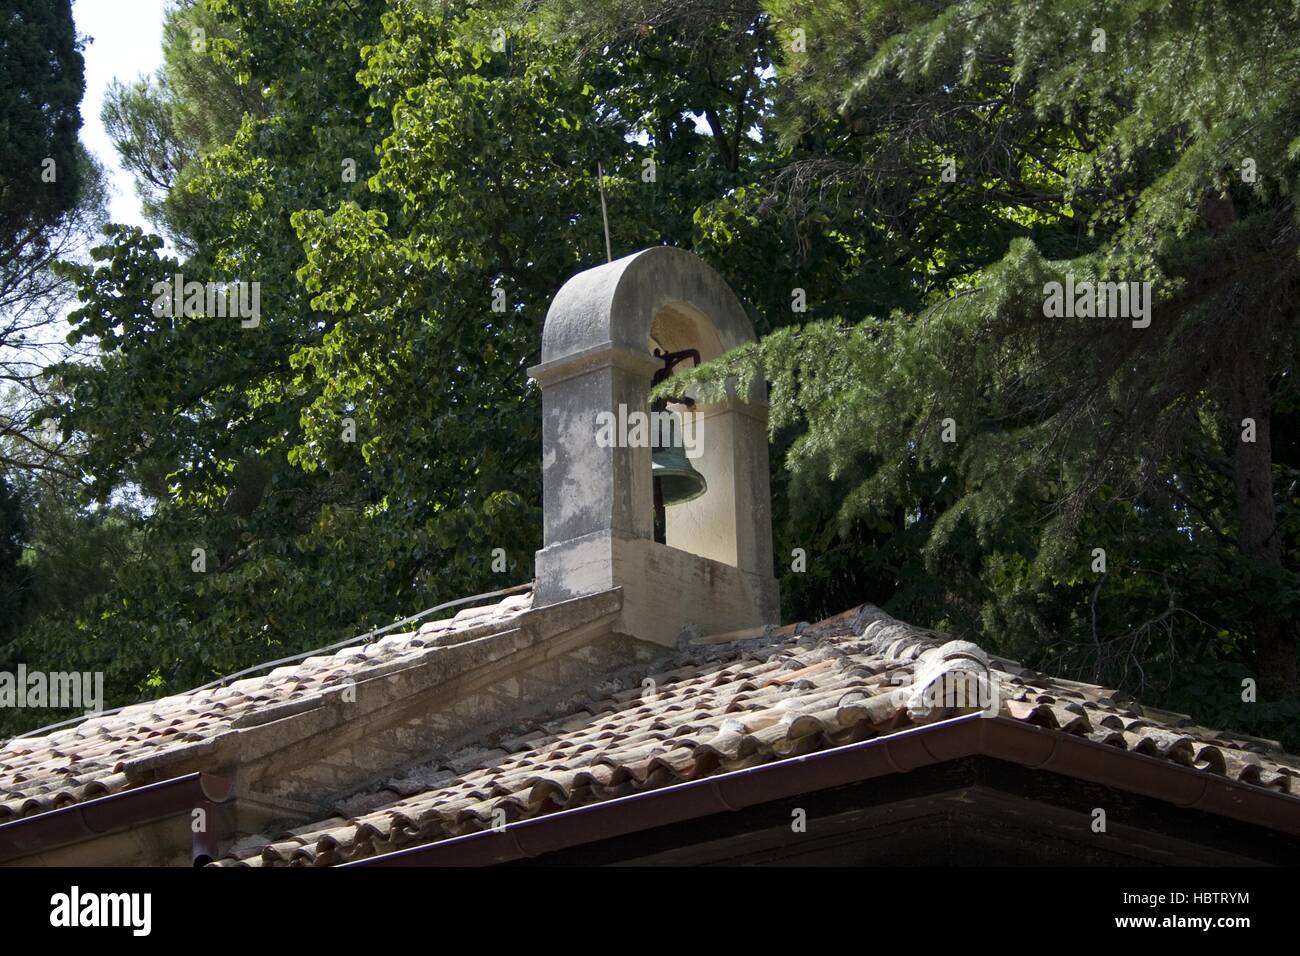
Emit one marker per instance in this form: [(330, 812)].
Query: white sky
[(127, 43)]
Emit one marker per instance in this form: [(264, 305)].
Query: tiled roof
[(735, 703), (113, 752)]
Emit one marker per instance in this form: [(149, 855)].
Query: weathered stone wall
[(715, 573)]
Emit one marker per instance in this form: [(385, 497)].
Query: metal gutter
[(971, 735), (118, 811)]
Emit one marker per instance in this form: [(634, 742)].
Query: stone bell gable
[(714, 572)]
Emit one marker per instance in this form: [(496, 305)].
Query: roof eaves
[(969, 735), (112, 813)]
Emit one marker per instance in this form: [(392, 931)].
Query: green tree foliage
[(51, 198), (15, 580), (234, 547), (161, 124), (363, 449), (1107, 143), (41, 159), (409, 182)]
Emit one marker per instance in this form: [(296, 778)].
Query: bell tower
[(713, 571)]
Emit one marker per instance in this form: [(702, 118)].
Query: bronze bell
[(676, 481)]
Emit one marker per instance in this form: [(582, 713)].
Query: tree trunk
[(1258, 536)]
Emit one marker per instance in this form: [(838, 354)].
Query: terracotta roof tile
[(721, 703), (725, 705), (92, 759)]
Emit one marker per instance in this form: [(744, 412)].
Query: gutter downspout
[(120, 811)]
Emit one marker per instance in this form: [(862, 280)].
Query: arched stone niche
[(715, 572)]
